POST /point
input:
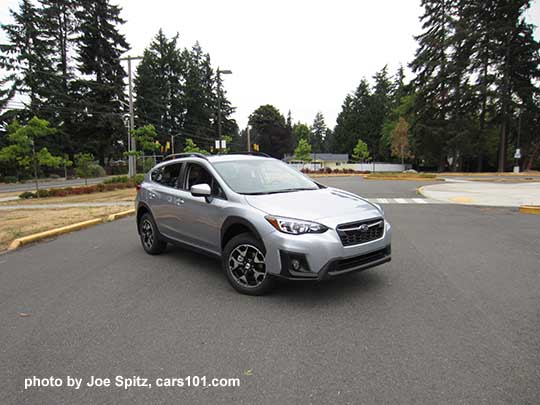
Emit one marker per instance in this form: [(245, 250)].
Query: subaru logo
[(363, 228)]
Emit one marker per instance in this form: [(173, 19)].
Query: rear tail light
[(138, 187)]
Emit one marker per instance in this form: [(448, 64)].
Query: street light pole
[(133, 148), (219, 73)]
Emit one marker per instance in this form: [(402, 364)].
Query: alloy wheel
[(247, 266), (147, 233)]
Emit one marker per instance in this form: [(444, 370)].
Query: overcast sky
[(303, 56)]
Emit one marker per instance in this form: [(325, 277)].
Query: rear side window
[(167, 175)]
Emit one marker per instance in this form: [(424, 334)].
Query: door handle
[(152, 195), (179, 201)]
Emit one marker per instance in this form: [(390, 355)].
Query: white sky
[(299, 55)]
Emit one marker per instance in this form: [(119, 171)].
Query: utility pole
[(248, 139), (219, 73), (133, 148)]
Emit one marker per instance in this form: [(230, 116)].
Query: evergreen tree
[(269, 130), (431, 68), (380, 104), (26, 59), (160, 87), (318, 132), (100, 90), (354, 119)]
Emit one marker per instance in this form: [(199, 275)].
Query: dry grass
[(17, 223), (127, 194)]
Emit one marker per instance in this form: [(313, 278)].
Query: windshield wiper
[(285, 190)]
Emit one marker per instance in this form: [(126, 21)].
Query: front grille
[(355, 233), (356, 261)]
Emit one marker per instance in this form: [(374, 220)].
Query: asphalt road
[(30, 185), (454, 318), (376, 188)]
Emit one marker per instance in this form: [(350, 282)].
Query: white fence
[(360, 167)]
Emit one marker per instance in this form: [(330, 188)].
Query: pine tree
[(160, 87), (354, 119), (100, 45), (431, 68), (269, 130), (27, 60), (380, 104), (318, 132)]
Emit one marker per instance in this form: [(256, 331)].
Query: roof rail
[(185, 154), (251, 153)]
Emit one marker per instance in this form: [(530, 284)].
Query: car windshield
[(262, 176)]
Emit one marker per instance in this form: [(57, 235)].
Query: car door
[(202, 217), (164, 197)]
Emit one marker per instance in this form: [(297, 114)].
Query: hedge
[(62, 192)]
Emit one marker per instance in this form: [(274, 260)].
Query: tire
[(253, 280), (150, 239)]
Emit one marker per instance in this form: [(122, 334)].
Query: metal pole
[(172, 144), (133, 165), (219, 107), (248, 139), (131, 141), (35, 166)]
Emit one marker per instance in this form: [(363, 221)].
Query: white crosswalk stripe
[(403, 201)]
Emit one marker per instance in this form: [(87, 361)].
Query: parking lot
[(455, 317)]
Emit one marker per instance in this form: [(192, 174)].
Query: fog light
[(295, 264)]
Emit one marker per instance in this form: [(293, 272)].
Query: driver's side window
[(196, 174)]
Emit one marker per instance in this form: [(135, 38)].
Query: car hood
[(329, 206)]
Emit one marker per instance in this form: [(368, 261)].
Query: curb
[(403, 178), (530, 209), (16, 243)]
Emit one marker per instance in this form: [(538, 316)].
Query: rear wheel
[(150, 240), (245, 266)]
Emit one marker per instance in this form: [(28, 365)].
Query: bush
[(42, 193), (117, 179), (96, 170), (26, 195), (138, 178), (10, 179)]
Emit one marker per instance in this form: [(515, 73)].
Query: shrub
[(42, 193), (327, 170), (101, 187), (10, 179), (117, 179), (138, 178), (95, 170), (26, 195)]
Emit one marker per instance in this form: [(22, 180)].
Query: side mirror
[(201, 190)]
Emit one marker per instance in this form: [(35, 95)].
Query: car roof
[(234, 157), (214, 158)]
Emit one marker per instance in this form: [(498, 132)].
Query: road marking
[(420, 200), (404, 201)]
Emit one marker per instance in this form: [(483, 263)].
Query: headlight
[(295, 226)]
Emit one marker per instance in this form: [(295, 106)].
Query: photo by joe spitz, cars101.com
[(263, 218)]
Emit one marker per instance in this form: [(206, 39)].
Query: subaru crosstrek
[(263, 218)]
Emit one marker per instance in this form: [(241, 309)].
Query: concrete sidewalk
[(480, 193)]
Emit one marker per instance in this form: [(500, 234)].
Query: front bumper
[(323, 255)]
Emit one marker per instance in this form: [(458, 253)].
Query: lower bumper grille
[(357, 261), (355, 233)]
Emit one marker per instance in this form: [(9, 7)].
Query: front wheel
[(150, 240), (245, 266)]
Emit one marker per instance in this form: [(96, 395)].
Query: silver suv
[(263, 219)]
